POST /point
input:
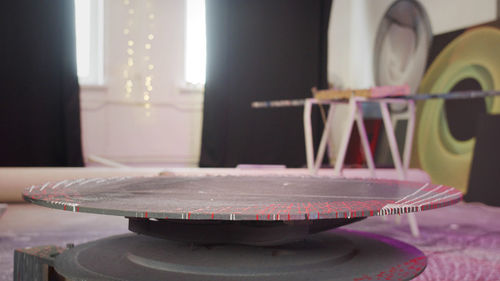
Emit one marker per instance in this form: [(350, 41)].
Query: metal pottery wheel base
[(255, 233), (331, 255)]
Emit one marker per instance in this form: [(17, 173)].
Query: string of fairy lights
[(129, 84), (133, 50), (148, 79)]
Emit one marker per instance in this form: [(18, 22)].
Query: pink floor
[(462, 242)]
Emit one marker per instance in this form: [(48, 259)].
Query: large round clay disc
[(238, 198)]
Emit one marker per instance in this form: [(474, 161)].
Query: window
[(195, 44), (89, 37)]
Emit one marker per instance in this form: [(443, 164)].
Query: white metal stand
[(355, 114)]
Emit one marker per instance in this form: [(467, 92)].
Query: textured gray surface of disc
[(268, 198)]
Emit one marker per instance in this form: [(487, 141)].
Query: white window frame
[(96, 45)]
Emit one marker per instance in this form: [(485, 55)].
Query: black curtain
[(39, 92), (261, 50), (484, 179)]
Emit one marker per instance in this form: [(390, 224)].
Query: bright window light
[(89, 50), (82, 26), (195, 42)]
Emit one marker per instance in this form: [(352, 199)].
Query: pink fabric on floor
[(462, 242)]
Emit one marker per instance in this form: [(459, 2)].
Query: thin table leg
[(308, 135), (412, 221), (389, 129), (324, 138), (339, 163), (393, 145), (364, 140), (410, 130)]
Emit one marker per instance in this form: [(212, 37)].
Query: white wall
[(449, 15), (116, 127), (354, 24)]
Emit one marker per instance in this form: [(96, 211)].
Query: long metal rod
[(423, 96)]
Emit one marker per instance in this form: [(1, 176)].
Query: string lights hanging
[(148, 78), (129, 84), (141, 19)]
